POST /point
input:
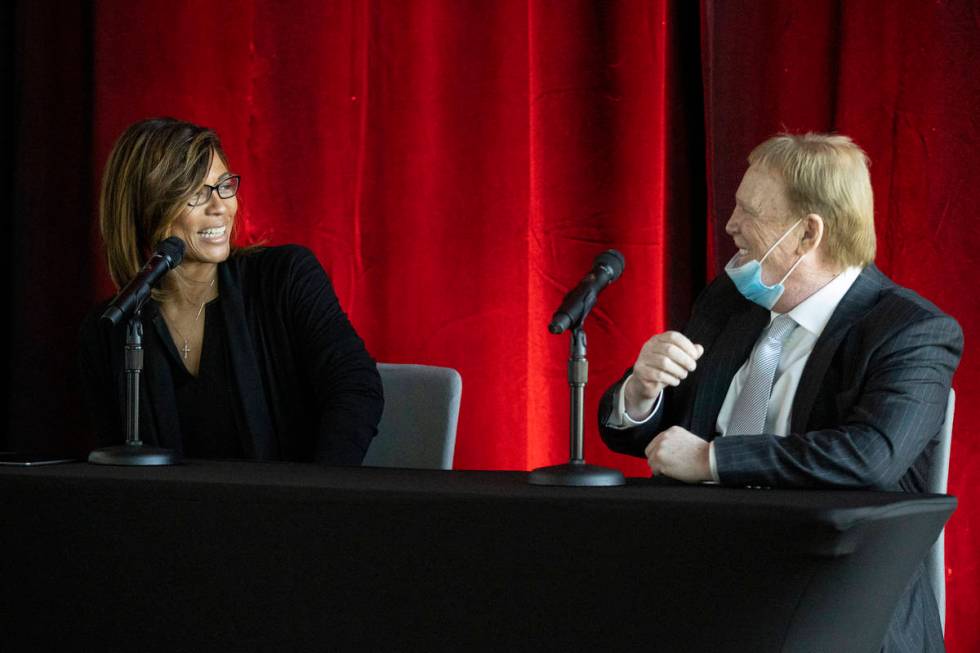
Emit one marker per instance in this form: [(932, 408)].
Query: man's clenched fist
[(679, 454), (665, 359)]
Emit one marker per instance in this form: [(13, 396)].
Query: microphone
[(166, 257), (605, 269)]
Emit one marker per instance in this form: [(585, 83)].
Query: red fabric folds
[(456, 166)]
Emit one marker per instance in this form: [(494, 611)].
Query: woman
[(247, 352)]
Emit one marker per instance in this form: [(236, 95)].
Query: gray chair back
[(937, 481), (418, 426)]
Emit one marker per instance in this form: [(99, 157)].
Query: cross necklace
[(186, 349)]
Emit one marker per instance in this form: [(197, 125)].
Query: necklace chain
[(186, 349), (193, 282)]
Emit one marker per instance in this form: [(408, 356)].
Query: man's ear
[(812, 234)]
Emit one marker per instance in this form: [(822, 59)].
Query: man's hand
[(665, 359), (679, 454)]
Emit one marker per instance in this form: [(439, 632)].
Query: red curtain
[(457, 165)]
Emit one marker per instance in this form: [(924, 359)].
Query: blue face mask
[(748, 277)]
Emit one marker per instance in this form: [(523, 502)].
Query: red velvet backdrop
[(457, 165)]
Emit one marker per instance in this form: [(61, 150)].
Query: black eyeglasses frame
[(212, 189)]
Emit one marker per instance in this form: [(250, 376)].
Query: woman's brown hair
[(154, 167)]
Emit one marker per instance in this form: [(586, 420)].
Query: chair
[(418, 426), (938, 476)]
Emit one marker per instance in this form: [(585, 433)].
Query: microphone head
[(173, 249), (613, 260), (559, 323)]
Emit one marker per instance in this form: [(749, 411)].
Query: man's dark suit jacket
[(307, 389), (867, 413)]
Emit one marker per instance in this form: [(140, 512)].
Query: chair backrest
[(418, 426), (937, 482)]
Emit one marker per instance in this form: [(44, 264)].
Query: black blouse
[(205, 403)]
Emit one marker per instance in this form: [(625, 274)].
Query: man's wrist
[(637, 409), (618, 417), (713, 463)]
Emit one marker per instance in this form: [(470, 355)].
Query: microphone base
[(576, 474), (134, 456)]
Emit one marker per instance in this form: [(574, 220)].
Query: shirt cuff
[(619, 418), (713, 462)]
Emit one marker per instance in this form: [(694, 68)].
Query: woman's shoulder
[(271, 269), (265, 254), (269, 258)]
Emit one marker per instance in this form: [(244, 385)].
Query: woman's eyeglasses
[(226, 189)]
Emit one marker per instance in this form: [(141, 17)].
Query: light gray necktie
[(752, 404)]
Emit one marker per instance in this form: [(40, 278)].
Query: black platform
[(251, 556)]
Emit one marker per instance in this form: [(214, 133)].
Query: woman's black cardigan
[(307, 389)]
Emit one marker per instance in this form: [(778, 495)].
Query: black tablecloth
[(258, 556)]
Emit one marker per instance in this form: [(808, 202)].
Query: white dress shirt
[(811, 315)]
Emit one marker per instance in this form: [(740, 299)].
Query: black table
[(258, 556)]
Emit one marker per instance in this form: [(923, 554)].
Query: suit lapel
[(861, 297), (262, 443), (727, 353)]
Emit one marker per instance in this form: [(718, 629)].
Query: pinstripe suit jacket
[(867, 413)]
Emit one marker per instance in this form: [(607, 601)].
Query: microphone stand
[(134, 452), (576, 472)]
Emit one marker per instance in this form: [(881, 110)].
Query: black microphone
[(166, 257), (577, 304)]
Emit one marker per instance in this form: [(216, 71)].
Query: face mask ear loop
[(779, 240), (786, 276)]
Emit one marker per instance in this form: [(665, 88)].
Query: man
[(803, 365)]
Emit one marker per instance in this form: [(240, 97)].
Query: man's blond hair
[(826, 174)]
